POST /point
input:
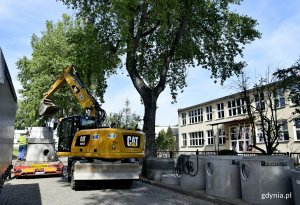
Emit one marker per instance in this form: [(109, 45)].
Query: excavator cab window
[(66, 132), (87, 123)]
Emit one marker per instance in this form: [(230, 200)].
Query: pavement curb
[(195, 193)]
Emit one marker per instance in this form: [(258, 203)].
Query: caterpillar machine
[(94, 152)]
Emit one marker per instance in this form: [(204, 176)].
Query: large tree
[(166, 141), (160, 39), (66, 42)]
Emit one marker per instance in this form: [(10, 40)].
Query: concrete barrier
[(296, 184), (267, 180), (195, 177), (156, 167), (223, 176)]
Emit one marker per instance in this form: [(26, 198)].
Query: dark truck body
[(8, 107)]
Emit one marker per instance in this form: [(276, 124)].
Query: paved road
[(57, 191)]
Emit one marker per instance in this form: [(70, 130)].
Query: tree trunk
[(149, 124)]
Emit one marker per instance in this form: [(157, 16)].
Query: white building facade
[(223, 123)]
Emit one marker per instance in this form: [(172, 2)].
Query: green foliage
[(166, 141), (171, 139), (289, 80), (61, 44), (124, 118), (161, 39), (172, 35)]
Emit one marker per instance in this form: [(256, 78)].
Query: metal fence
[(176, 154)]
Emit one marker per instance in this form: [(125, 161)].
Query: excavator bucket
[(47, 107)]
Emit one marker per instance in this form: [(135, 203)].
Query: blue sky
[(279, 47)]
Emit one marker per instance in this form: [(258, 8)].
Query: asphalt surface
[(42, 190), (56, 190)]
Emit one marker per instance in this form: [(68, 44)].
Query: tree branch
[(170, 54), (139, 33), (259, 149), (150, 31), (132, 45)]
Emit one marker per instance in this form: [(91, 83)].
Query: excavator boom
[(86, 101)]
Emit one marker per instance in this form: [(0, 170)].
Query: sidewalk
[(196, 193)]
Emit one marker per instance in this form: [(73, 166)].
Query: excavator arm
[(85, 99)]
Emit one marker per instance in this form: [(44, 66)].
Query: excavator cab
[(69, 126)]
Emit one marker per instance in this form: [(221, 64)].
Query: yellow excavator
[(94, 152)]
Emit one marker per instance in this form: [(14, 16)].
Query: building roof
[(231, 96)]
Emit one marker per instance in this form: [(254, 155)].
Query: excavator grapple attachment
[(47, 107)]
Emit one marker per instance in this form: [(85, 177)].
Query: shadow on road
[(98, 184), (104, 184), (25, 194)]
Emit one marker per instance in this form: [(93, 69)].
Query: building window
[(259, 101), (297, 126), (221, 136), (220, 110), (209, 113), (283, 130), (233, 133), (239, 137), (236, 107), (210, 137), (196, 116), (184, 140), (183, 118), (196, 138), (279, 98), (259, 134)]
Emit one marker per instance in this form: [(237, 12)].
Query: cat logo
[(132, 141), (82, 140)]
